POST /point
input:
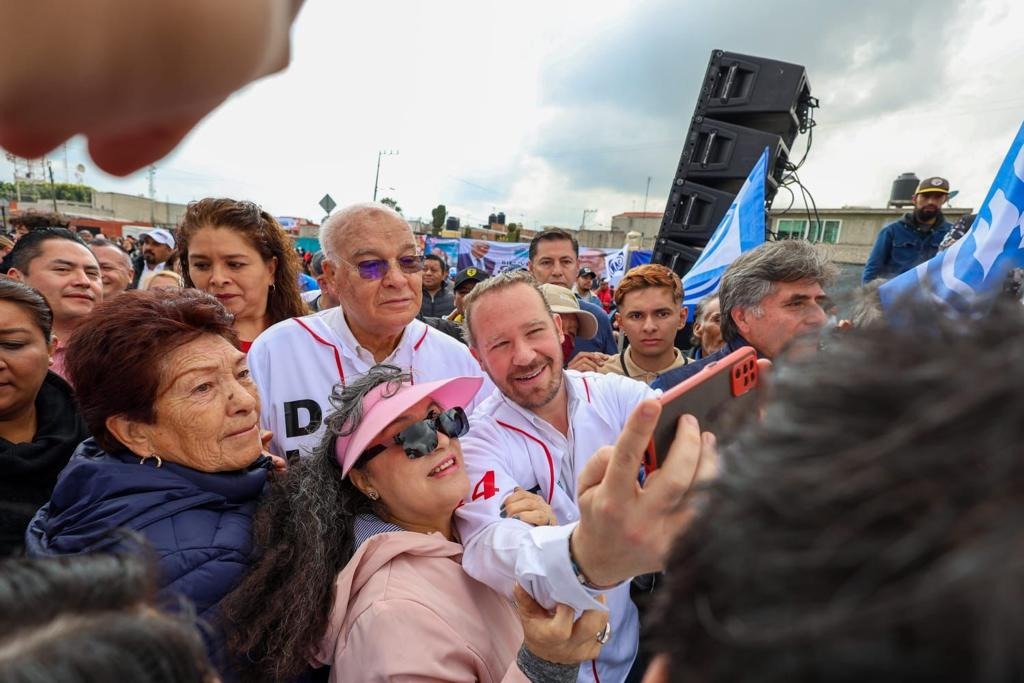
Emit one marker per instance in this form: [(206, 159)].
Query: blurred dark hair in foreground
[(870, 526), (84, 618)]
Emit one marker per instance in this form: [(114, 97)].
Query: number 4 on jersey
[(485, 488)]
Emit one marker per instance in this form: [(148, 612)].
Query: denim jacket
[(901, 246)]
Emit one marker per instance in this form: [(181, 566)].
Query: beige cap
[(562, 300)]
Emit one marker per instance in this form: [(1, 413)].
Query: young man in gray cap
[(913, 239)]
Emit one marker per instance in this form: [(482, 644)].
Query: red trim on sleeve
[(547, 454), (321, 340), (587, 387)]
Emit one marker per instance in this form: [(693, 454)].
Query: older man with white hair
[(115, 265), (374, 267)]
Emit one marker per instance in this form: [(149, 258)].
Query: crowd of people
[(397, 477), (213, 471)]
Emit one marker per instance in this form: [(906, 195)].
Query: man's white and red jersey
[(297, 362), (508, 446)]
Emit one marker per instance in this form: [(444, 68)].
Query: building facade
[(108, 212), (848, 233), (647, 223)]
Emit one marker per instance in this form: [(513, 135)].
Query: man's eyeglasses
[(375, 269), (420, 438)]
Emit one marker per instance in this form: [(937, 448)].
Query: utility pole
[(17, 184), (152, 193), (53, 188), (586, 212), (647, 193), (376, 178)]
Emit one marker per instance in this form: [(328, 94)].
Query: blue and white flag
[(974, 268), (617, 266), (741, 229)]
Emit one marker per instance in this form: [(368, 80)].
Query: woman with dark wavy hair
[(237, 252), (361, 567)]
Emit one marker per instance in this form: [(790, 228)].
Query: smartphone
[(719, 390)]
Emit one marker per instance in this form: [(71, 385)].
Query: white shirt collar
[(348, 340), (572, 403)]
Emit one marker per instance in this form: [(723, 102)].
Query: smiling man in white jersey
[(375, 268), (537, 433)]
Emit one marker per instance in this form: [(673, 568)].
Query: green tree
[(438, 214), (34, 191), (512, 232), (393, 203)]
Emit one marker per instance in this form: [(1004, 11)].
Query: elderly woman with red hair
[(176, 453)]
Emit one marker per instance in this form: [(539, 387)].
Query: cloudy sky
[(545, 109)]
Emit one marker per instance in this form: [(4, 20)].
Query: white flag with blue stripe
[(741, 229), (975, 267)]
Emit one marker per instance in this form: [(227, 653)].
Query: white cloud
[(468, 91)]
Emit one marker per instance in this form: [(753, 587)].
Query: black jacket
[(139, 264), (438, 305), (30, 469)]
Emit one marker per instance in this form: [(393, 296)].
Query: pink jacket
[(404, 610)]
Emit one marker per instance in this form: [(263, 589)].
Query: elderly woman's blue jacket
[(198, 524)]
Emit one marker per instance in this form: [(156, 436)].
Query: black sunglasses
[(420, 438)]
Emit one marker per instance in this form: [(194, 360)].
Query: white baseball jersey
[(297, 362), (509, 446)]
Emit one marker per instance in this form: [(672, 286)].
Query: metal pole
[(53, 188), (376, 178), (647, 193)]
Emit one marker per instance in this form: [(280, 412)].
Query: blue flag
[(974, 268), (741, 229)]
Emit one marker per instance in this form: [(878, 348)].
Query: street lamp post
[(376, 178)]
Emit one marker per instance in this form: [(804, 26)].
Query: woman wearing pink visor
[(361, 568)]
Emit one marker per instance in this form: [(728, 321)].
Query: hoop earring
[(144, 458), (372, 495)]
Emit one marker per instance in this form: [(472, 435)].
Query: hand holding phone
[(728, 383)]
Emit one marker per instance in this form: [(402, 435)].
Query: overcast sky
[(544, 109)]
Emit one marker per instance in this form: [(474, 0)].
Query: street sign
[(327, 204)]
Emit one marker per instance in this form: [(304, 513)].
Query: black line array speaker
[(745, 104)]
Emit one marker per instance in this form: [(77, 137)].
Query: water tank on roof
[(491, 219), (451, 223), (501, 218), (903, 189)]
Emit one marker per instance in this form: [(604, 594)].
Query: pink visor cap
[(381, 408)]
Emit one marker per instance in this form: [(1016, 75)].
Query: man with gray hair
[(115, 266), (769, 296), (373, 266)]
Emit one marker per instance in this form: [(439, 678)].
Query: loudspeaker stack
[(745, 104)]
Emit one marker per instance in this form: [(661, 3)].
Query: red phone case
[(704, 396)]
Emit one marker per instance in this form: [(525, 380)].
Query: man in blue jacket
[(913, 239), (554, 260)]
